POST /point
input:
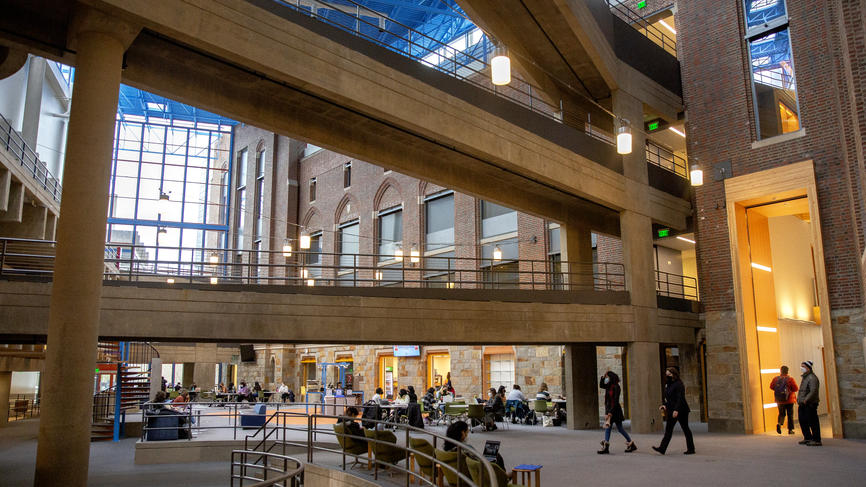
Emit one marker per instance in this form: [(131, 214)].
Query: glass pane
[(760, 12), (349, 244), (509, 247), (242, 168), (390, 234), (496, 219), (553, 238), (774, 84), (440, 222)]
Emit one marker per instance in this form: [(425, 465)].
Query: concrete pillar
[(205, 375), (33, 101), (188, 374), (63, 449), (155, 376), (14, 203), (644, 386), (581, 386), (5, 388), (575, 239), (5, 188)]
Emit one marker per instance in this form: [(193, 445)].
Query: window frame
[(347, 175), (312, 190)]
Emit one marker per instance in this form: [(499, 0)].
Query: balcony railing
[(219, 266), (643, 26), (14, 143), (676, 286), (666, 159)]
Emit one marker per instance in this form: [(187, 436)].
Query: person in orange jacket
[(784, 386)]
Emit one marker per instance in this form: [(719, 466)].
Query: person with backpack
[(613, 415), (808, 400), (784, 386)]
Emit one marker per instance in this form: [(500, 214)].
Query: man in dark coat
[(676, 410)]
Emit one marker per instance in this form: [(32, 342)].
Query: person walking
[(808, 401), (613, 415), (784, 386), (676, 410)]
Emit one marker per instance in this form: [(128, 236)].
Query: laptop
[(491, 449)]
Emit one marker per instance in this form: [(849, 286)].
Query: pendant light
[(500, 67)]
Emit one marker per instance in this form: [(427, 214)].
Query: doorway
[(438, 368), (388, 379)]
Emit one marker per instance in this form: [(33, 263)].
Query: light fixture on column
[(414, 255), (162, 204), (497, 254), (305, 241), (500, 66), (214, 280), (623, 138), (696, 176), (311, 282), (170, 280), (398, 253), (287, 249), (304, 273), (214, 258)]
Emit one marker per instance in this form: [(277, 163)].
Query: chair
[(384, 452), (480, 476), (452, 413), (540, 407), (450, 459), (425, 465), (476, 412), (349, 445)]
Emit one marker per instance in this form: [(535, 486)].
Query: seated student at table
[(257, 392), (377, 397), (429, 401), (351, 427), (402, 397), (542, 394), (244, 392), (181, 401), (516, 400), (283, 391), (494, 409), (458, 431)]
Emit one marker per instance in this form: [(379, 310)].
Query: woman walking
[(676, 410), (613, 415)]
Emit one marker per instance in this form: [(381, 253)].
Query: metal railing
[(14, 143), (220, 266), (665, 159), (22, 406), (643, 26), (283, 470), (470, 65), (676, 286)]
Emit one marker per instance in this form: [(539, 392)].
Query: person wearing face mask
[(807, 403), (494, 409), (676, 411), (613, 415)]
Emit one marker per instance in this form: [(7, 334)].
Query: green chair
[(349, 445), (384, 452), (539, 406), (476, 412), (481, 478), (452, 412), (450, 459), (425, 464)]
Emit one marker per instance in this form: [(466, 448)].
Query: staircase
[(132, 363)]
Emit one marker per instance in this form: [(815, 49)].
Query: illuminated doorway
[(438, 368), (781, 293), (388, 379), (309, 382)]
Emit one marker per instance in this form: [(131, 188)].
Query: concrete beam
[(15, 203), (5, 188), (32, 225)]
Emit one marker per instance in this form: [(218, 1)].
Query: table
[(525, 472)]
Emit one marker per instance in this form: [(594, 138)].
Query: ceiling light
[(311, 282), (668, 27), (684, 239), (500, 67), (768, 329), (762, 267), (623, 139), (677, 131)]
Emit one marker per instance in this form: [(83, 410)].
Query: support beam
[(64, 431), (5, 188), (32, 224), (575, 237), (33, 101), (14, 203), (5, 388), (644, 386), (581, 386)]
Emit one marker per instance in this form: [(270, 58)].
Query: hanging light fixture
[(304, 273), (398, 253), (497, 254), (696, 176), (162, 230), (214, 258), (414, 255), (287, 249), (378, 275), (623, 138), (311, 282), (500, 66), (305, 241), (162, 204)]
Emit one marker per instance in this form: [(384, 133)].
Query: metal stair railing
[(14, 143)]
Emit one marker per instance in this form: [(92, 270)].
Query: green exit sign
[(653, 126), (641, 4), (665, 232)]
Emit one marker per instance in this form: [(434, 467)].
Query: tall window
[(502, 370), (439, 221), (313, 258), (312, 190), (497, 220), (240, 199), (774, 86), (554, 255), (349, 247), (347, 175), (260, 193), (390, 232)]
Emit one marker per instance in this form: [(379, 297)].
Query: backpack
[(781, 389)]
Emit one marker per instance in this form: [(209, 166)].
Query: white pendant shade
[(500, 68), (623, 140), (696, 176), (497, 254), (287, 250), (414, 256), (305, 242)]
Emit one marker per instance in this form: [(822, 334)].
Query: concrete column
[(634, 165), (5, 388), (205, 375), (64, 431), (33, 101), (188, 374), (644, 386), (581, 386), (155, 376), (575, 239)]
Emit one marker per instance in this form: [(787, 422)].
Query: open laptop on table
[(491, 449)]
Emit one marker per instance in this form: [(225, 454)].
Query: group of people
[(784, 389)]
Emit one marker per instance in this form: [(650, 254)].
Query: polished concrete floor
[(568, 457)]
